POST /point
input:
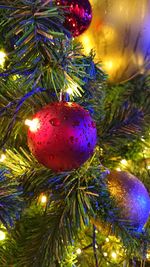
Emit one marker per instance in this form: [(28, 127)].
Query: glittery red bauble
[(65, 137), (78, 15), (131, 197)]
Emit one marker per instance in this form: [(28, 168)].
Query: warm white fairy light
[(43, 199), (33, 124), (107, 239), (118, 169), (123, 162), (2, 58), (148, 167), (70, 91), (114, 255), (2, 235), (142, 138), (105, 254), (2, 158), (79, 251)]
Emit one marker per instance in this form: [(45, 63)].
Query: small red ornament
[(78, 15), (64, 136)]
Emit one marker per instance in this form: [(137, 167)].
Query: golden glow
[(114, 255), (79, 251), (108, 65), (112, 36), (86, 41), (2, 157), (2, 58), (148, 167), (2, 235), (107, 239), (33, 124)]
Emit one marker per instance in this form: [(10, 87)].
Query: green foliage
[(44, 62)]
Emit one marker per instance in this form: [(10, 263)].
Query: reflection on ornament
[(65, 137), (120, 35)]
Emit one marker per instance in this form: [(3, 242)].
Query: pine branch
[(11, 203)]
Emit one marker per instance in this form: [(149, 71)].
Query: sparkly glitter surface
[(131, 197)]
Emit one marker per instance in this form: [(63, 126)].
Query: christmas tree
[(74, 127)]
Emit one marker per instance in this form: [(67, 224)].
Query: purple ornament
[(131, 198), (64, 138), (78, 15)]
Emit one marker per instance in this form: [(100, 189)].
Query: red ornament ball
[(64, 137), (131, 198), (78, 15)]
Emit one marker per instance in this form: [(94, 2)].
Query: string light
[(123, 162), (105, 254), (114, 255), (2, 158), (148, 167), (107, 239), (118, 169), (79, 251), (69, 91), (2, 235), (43, 199), (2, 58), (33, 124)]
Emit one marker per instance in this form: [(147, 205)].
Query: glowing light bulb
[(148, 167), (33, 124), (107, 239), (43, 199), (2, 157), (69, 91), (2, 58), (114, 255), (123, 162), (105, 254), (79, 251), (118, 169), (2, 235)]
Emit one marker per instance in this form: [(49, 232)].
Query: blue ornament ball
[(65, 136), (131, 198)]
